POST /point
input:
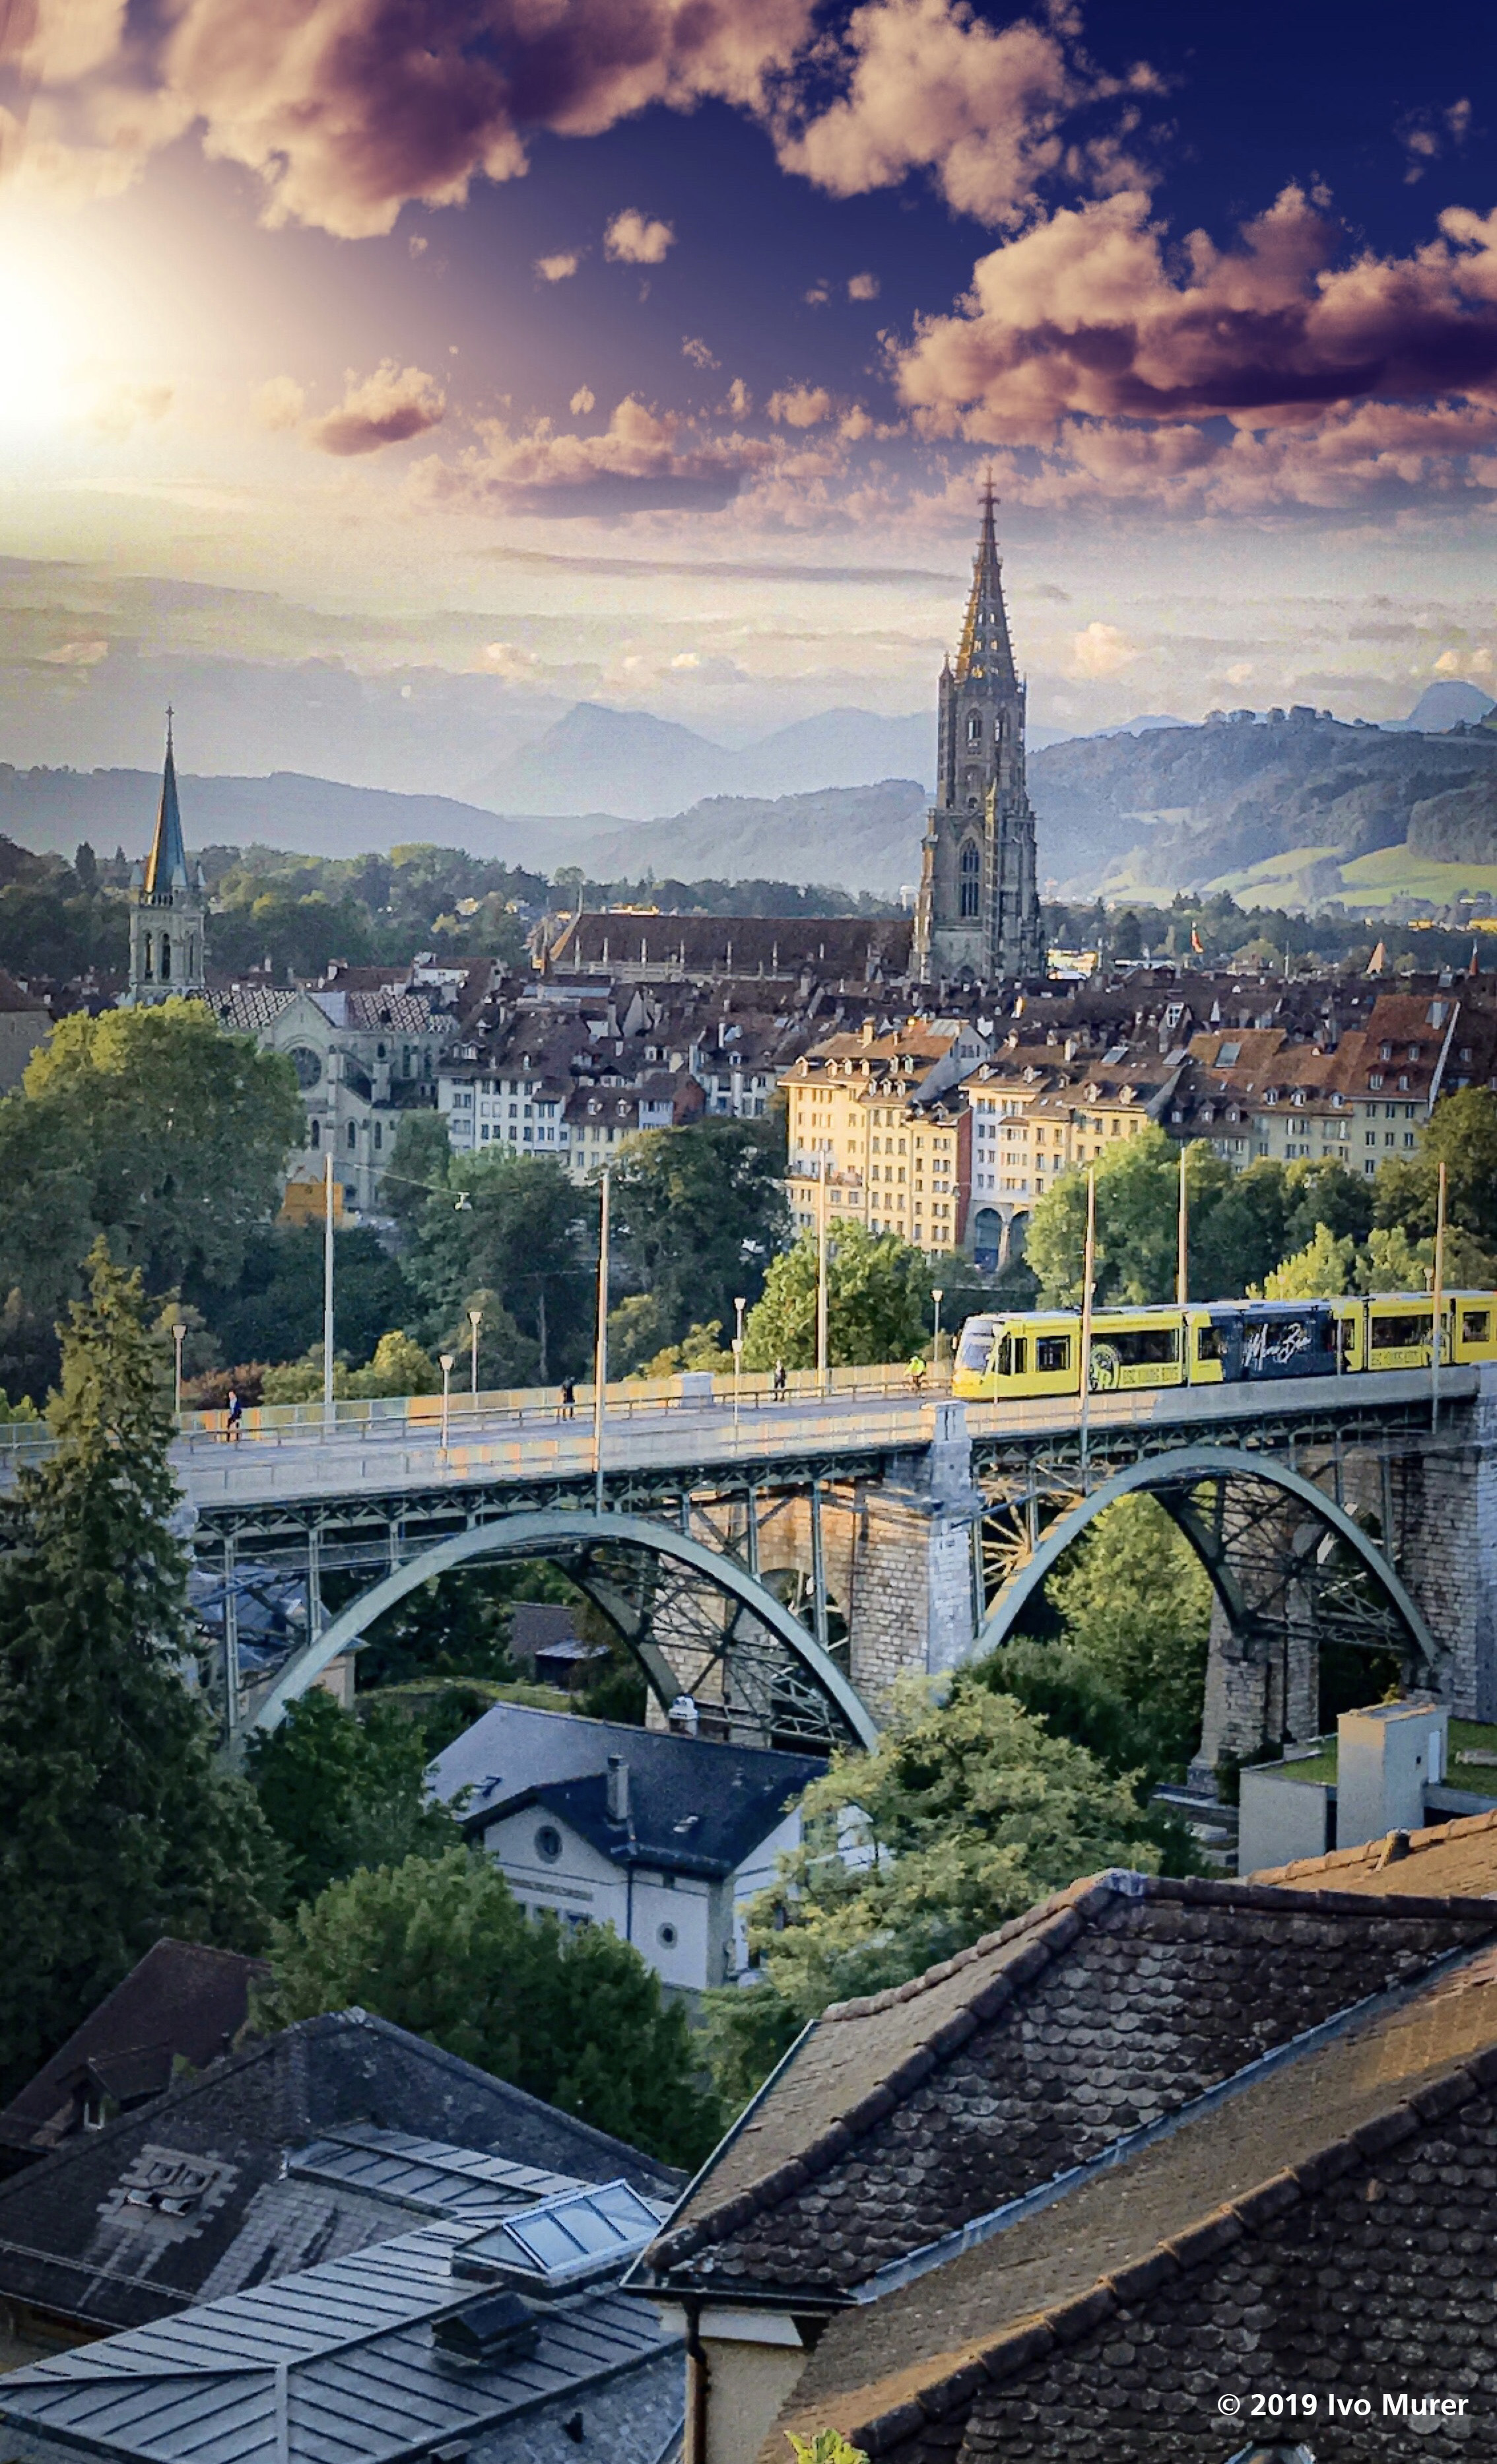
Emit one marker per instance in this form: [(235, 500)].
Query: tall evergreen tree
[(119, 1825)]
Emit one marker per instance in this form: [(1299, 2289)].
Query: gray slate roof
[(695, 1807), (339, 2365), (215, 2185)]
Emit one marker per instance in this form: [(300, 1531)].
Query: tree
[(444, 1949), (1241, 1238), (1462, 1134), (506, 1357), (120, 1824), (878, 1291), (966, 1813), (420, 1163), (1134, 1602), (1324, 1194), (524, 1235), (698, 1212), (274, 1311), (1138, 1217), (1323, 1271), (151, 1127), (339, 1792)]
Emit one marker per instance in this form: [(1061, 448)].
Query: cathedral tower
[(166, 952), (979, 911)]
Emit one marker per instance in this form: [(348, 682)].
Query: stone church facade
[(979, 911)]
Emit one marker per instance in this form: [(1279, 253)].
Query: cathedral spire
[(167, 866), (985, 649)]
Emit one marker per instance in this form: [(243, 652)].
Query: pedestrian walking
[(568, 1410), (917, 1372), (779, 1382), (235, 1414)]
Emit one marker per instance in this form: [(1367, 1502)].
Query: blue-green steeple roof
[(167, 866)]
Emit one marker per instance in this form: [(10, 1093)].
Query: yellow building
[(1036, 1112), (880, 1124)]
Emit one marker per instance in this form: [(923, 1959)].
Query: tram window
[(1012, 1355), (1399, 1333), (1476, 1326), (1051, 1352), (1140, 1347), (1211, 1344), (977, 1349)]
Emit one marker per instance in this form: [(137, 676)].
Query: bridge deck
[(304, 1464)]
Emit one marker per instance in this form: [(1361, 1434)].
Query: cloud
[(802, 406), (582, 401), (279, 402), (417, 245), (930, 86), (1101, 651), (509, 660), (1425, 135), (741, 402), (118, 408), (348, 109), (818, 295), (630, 240), (559, 268), (641, 463), (698, 352), (1466, 663), (1084, 314), (388, 409), (863, 286), (854, 425)]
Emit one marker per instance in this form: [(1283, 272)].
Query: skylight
[(569, 2237)]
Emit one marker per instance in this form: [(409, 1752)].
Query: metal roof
[(428, 2173), (337, 2366)]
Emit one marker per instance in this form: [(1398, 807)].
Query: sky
[(652, 351)]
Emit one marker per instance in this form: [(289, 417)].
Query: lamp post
[(823, 1343), (328, 1292), (937, 1296), (1087, 1279), (739, 1306), (600, 1392), (447, 1359), (179, 1336), (476, 1320)]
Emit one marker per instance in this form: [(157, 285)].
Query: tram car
[(1217, 1343)]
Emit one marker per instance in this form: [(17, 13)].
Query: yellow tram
[(1212, 1343)]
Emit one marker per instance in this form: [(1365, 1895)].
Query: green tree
[(421, 1165), (1462, 1134), (339, 1792), (1323, 1271), (1138, 1220), (506, 1357), (525, 1234), (274, 1311), (1134, 1603), (966, 1813), (120, 1824), (1243, 1236), (878, 1303), (151, 1127), (1327, 1195), (699, 1213), (444, 1949)]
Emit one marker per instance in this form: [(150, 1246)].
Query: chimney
[(618, 1789)]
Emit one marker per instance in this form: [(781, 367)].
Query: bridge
[(783, 1563)]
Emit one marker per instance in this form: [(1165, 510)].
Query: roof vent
[(499, 2327), (617, 1784)]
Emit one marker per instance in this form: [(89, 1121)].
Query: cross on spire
[(985, 649)]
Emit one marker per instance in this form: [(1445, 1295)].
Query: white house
[(664, 1837)]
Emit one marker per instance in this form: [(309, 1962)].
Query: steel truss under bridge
[(1278, 1548), (697, 1622)]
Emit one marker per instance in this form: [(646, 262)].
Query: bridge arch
[(1174, 1478), (814, 1695)]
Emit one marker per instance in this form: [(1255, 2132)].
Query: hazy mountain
[(1182, 806), (857, 838), (1446, 704), (50, 811), (639, 766)]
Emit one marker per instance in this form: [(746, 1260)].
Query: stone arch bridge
[(786, 1567)]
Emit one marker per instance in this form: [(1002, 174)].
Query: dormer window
[(1375, 1078), (1385, 1052), (1403, 1081)]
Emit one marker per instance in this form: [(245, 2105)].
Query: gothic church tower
[(979, 911), (166, 952)]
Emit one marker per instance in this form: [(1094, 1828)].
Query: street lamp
[(447, 1358), (937, 1296), (476, 1320), (740, 1306), (179, 1336)]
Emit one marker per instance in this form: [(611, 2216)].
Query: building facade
[(168, 913), (978, 911), (879, 1126)]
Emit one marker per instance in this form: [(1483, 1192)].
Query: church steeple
[(166, 926), (985, 649), (167, 866)]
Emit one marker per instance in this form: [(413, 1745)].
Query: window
[(971, 872), (1399, 1333), (974, 728), (1013, 1353), (317, 1134), (549, 1843), (666, 1937), (1475, 1324), (1052, 1352), (353, 1133)]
